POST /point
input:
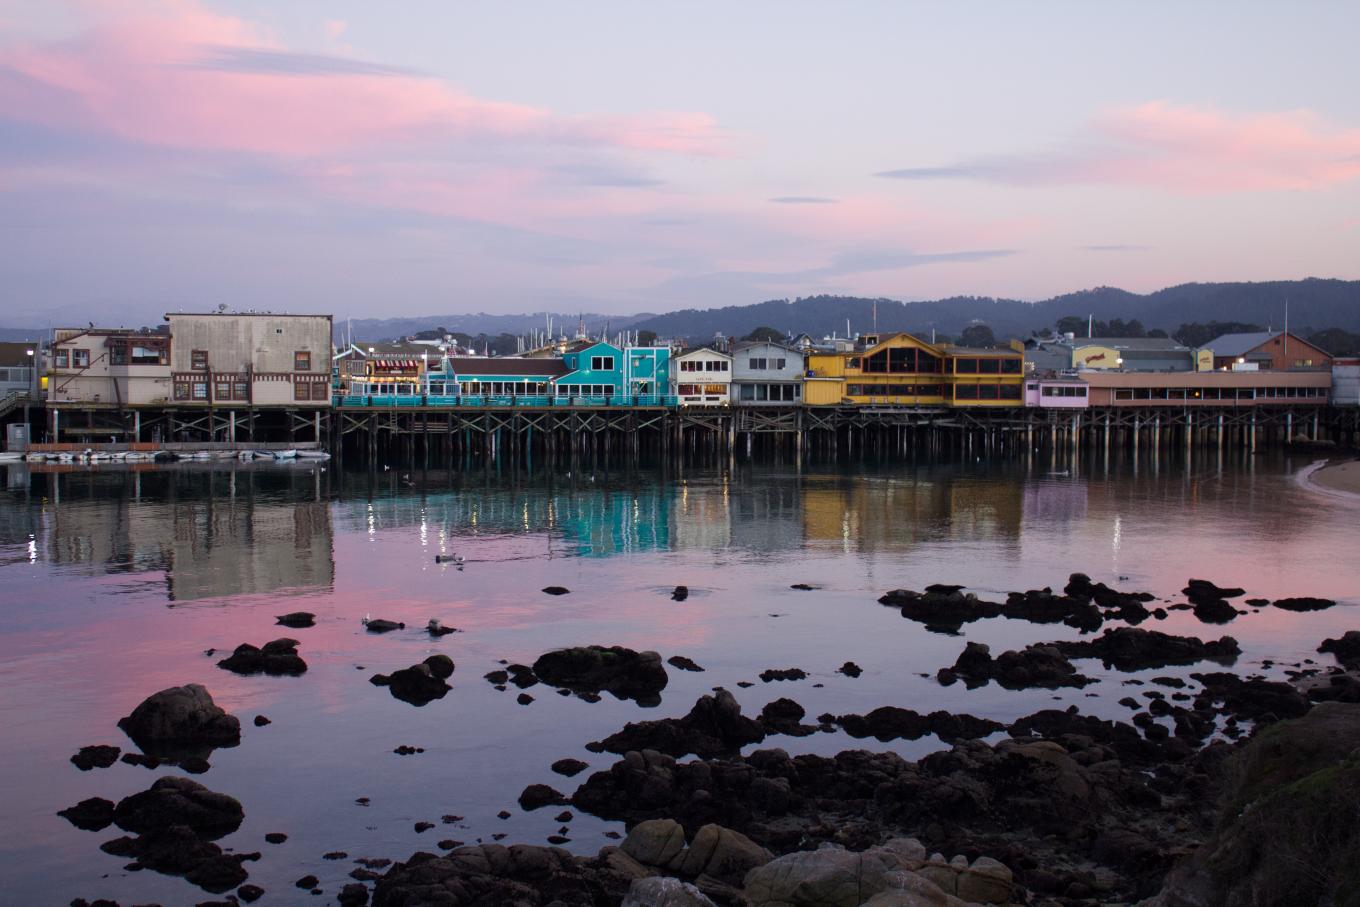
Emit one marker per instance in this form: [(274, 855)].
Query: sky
[(433, 157)]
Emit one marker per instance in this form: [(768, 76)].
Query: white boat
[(138, 456), (35, 457), (10, 457), (289, 454), (245, 455), (66, 458), (313, 455)]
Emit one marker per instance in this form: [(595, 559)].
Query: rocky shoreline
[(1055, 808)]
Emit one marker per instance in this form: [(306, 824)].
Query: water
[(115, 583)]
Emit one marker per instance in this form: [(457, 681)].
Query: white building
[(702, 377)]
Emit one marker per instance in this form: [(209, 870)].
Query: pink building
[(1057, 393)]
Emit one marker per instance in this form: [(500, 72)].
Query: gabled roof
[(748, 344), (1167, 344), (695, 350), (1240, 344)]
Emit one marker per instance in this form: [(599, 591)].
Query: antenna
[(1286, 332)]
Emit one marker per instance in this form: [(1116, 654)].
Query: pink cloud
[(157, 77), (1180, 148)]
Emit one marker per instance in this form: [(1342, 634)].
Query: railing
[(12, 401), (500, 401)]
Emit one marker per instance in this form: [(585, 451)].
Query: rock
[(93, 814), (655, 842), (180, 720), (556, 590), (250, 893), (524, 699), (1346, 648), (1262, 701), (1034, 666), (490, 874), (261, 721), (680, 593), (420, 684), (97, 756), (850, 669), (1132, 649), (536, 796), (892, 723), (422, 827), (830, 876), (719, 853), (683, 663), (614, 669), (1214, 611), (784, 716), (307, 881), (659, 891), (275, 837), (803, 587), (297, 619), (140, 759), (172, 801), (354, 894), (713, 726), (986, 881), (407, 750), (1303, 604), (194, 765), (569, 767), (382, 625), (782, 674)]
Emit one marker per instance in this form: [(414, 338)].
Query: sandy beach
[(1338, 477)]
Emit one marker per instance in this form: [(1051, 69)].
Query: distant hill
[(18, 335), (1314, 304), (481, 323)]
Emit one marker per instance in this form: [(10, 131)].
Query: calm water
[(114, 583)]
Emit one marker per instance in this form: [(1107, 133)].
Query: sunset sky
[(379, 159)]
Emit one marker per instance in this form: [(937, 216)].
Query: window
[(198, 360), (1010, 392), (1011, 366), (61, 358), (602, 363), (240, 390), (302, 361), (321, 390), (989, 366), (146, 355), (689, 365), (80, 358), (965, 366), (200, 390), (1303, 363), (181, 390), (118, 354), (221, 390), (758, 365), (300, 391), (966, 392), (781, 364)]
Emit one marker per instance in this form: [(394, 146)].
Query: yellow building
[(897, 370), (984, 377)]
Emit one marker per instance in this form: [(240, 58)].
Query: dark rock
[(419, 684), (194, 765), (382, 625), (784, 716), (1303, 604), (93, 814), (614, 669), (892, 723), (522, 676), (406, 750), (307, 881), (536, 796), (250, 893), (276, 658), (782, 674), (850, 669), (354, 894), (140, 759), (803, 587), (680, 593), (492, 874), (1034, 666), (180, 720), (1214, 611), (1262, 701), (178, 850), (437, 629), (172, 801), (1346, 648), (1198, 590), (713, 726), (275, 837), (297, 619), (1132, 649), (569, 767), (683, 663), (556, 590), (261, 721), (524, 699), (96, 756), (422, 827)]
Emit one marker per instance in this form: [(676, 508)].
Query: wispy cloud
[(803, 200), (1179, 148), (284, 62)]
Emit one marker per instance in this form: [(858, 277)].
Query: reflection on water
[(91, 557)]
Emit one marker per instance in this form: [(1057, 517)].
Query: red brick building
[(1276, 350)]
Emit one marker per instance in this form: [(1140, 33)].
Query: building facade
[(1209, 389), (245, 360), (1268, 350), (767, 374), (109, 367), (702, 377)]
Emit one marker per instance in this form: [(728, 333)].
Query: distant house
[(1137, 354), (702, 377), (594, 371), (1272, 350)]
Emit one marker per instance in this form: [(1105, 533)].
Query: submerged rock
[(421, 683), (1133, 649), (771, 674), (1303, 604), (297, 620), (93, 814), (713, 726), (613, 669), (381, 625), (97, 756), (683, 663), (680, 593), (556, 590), (279, 657), (180, 720), (1034, 666)]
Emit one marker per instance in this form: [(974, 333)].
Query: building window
[(80, 358), (758, 364), (61, 358), (200, 390), (965, 366), (118, 354), (320, 390), (302, 361), (198, 360), (602, 363), (989, 366), (181, 390), (301, 391), (240, 390), (221, 390)]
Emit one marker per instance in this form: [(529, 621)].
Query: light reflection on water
[(115, 582)]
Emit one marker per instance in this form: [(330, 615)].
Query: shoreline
[(1334, 477)]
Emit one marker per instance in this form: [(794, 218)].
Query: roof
[(507, 365), (169, 315), (1240, 344), (1132, 343), (748, 344), (951, 350), (695, 350)]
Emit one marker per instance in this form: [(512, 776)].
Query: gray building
[(18, 364), (767, 374)]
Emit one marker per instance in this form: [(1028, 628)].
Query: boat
[(35, 457), (10, 457), (289, 454), (138, 456), (313, 455)]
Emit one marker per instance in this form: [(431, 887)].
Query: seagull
[(367, 618)]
